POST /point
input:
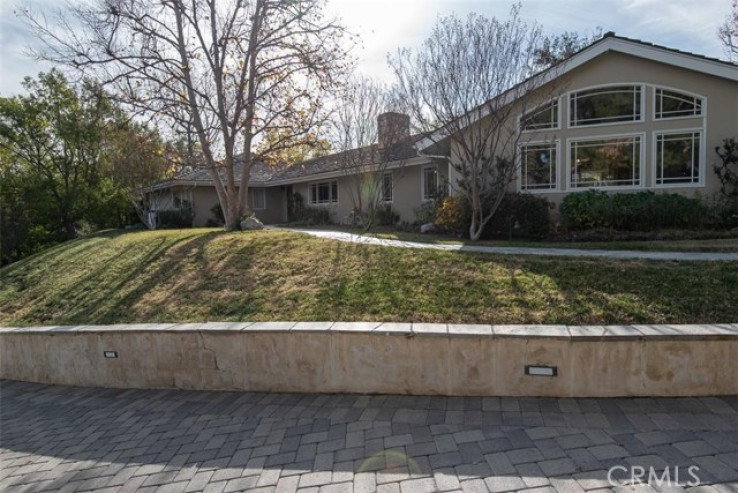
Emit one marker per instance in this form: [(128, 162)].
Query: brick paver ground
[(84, 439)]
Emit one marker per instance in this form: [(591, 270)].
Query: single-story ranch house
[(627, 116)]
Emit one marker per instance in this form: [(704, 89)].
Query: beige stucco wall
[(421, 359), (406, 193), (204, 198), (720, 121)]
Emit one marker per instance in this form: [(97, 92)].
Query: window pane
[(538, 167), (606, 163), (387, 187), (324, 192), (334, 191), (430, 183), (313, 194), (670, 104), (678, 158), (258, 198), (547, 116), (606, 105)]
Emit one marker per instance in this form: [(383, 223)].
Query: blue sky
[(385, 25)]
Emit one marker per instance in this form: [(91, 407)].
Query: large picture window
[(538, 166), (678, 158), (674, 104), (614, 162), (324, 193), (611, 104), (258, 199), (542, 118)]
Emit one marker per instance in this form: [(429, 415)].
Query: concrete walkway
[(553, 252), (89, 439)]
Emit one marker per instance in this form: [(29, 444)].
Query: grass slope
[(199, 275)]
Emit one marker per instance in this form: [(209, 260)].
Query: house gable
[(610, 43)]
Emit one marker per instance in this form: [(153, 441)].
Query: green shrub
[(727, 170), (641, 211), (520, 215), (425, 212), (453, 215), (385, 215), (517, 216), (315, 215), (176, 218), (218, 218)]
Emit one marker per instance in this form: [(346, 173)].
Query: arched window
[(601, 105), (542, 118), (675, 104)]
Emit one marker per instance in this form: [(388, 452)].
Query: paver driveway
[(79, 439)]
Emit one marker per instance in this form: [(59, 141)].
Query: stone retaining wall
[(435, 359)]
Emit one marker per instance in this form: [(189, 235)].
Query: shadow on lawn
[(105, 293)]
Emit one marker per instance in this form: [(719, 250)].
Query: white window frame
[(391, 189), (423, 197), (331, 199), (253, 193), (641, 114), (559, 117), (553, 144), (703, 105), (657, 162), (641, 157)]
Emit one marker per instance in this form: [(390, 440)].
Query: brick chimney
[(392, 128)]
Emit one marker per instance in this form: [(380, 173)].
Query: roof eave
[(600, 47)]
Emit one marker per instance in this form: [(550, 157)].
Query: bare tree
[(557, 48), (460, 86), (728, 32), (370, 140), (234, 70)]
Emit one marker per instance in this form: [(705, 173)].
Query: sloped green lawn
[(201, 274)]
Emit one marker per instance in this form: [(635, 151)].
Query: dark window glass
[(606, 163), (605, 105)]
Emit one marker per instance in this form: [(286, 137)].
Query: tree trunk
[(475, 230), (232, 212)]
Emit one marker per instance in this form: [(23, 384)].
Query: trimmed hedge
[(640, 211)]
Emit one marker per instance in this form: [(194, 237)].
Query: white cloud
[(386, 25)]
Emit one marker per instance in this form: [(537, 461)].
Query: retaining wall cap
[(577, 332), (354, 326), (623, 332), (470, 330), (430, 329), (394, 328), (311, 326), (569, 332), (536, 331), (270, 327)]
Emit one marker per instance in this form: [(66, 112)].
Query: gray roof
[(264, 174)]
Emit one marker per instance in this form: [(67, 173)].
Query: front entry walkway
[(553, 252), (86, 439)]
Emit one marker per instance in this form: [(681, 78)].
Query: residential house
[(620, 115)]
